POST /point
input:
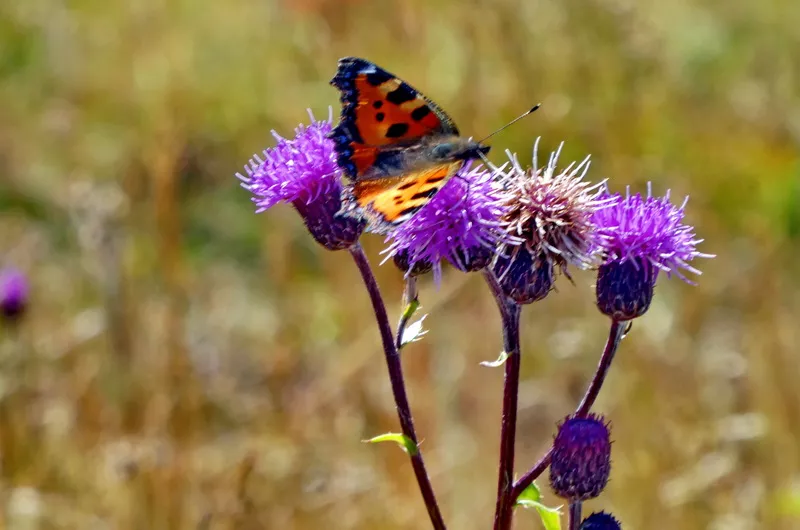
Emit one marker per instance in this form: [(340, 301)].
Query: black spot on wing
[(377, 104), (406, 185), (420, 112), (397, 130), (380, 116), (410, 211), (433, 180), (424, 194), (401, 94)]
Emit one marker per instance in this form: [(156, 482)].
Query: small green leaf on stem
[(410, 309), (501, 360), (405, 443), (531, 498), (531, 493)]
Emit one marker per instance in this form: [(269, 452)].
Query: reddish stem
[(395, 368), (509, 314), (508, 427), (575, 514), (615, 334)]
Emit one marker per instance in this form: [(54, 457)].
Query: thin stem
[(509, 312), (395, 368), (615, 334), (508, 427), (501, 299), (575, 515)]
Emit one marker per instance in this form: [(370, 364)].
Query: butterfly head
[(455, 149)]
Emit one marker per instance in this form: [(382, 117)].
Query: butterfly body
[(396, 147), (422, 153)]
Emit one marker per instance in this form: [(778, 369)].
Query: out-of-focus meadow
[(185, 363)]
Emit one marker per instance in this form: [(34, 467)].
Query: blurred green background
[(187, 364)]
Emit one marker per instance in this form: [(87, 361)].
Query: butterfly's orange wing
[(379, 110), (386, 203)]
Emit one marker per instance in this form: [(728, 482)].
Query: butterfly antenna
[(512, 122), (485, 160)]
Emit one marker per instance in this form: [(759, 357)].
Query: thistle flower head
[(581, 461), (638, 238), (600, 521), (549, 222), (14, 292), (302, 171), (461, 224), (551, 211), (649, 228)]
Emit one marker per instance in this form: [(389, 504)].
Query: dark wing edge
[(346, 132)]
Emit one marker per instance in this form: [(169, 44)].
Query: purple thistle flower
[(14, 292), (549, 218), (638, 238), (461, 224), (303, 172), (600, 521), (581, 461)]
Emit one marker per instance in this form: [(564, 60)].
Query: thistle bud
[(581, 461), (600, 521), (523, 277), (625, 289)]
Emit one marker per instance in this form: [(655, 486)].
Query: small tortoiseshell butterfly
[(397, 148)]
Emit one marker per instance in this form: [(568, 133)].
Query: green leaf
[(551, 517), (531, 493), (405, 443), (410, 309), (531, 498), (501, 360)]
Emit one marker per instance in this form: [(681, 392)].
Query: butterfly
[(396, 147)]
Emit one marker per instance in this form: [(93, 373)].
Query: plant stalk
[(395, 367), (615, 334), (575, 515), (509, 314)]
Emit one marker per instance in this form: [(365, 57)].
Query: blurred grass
[(186, 364)]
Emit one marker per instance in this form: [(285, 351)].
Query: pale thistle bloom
[(549, 218)]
